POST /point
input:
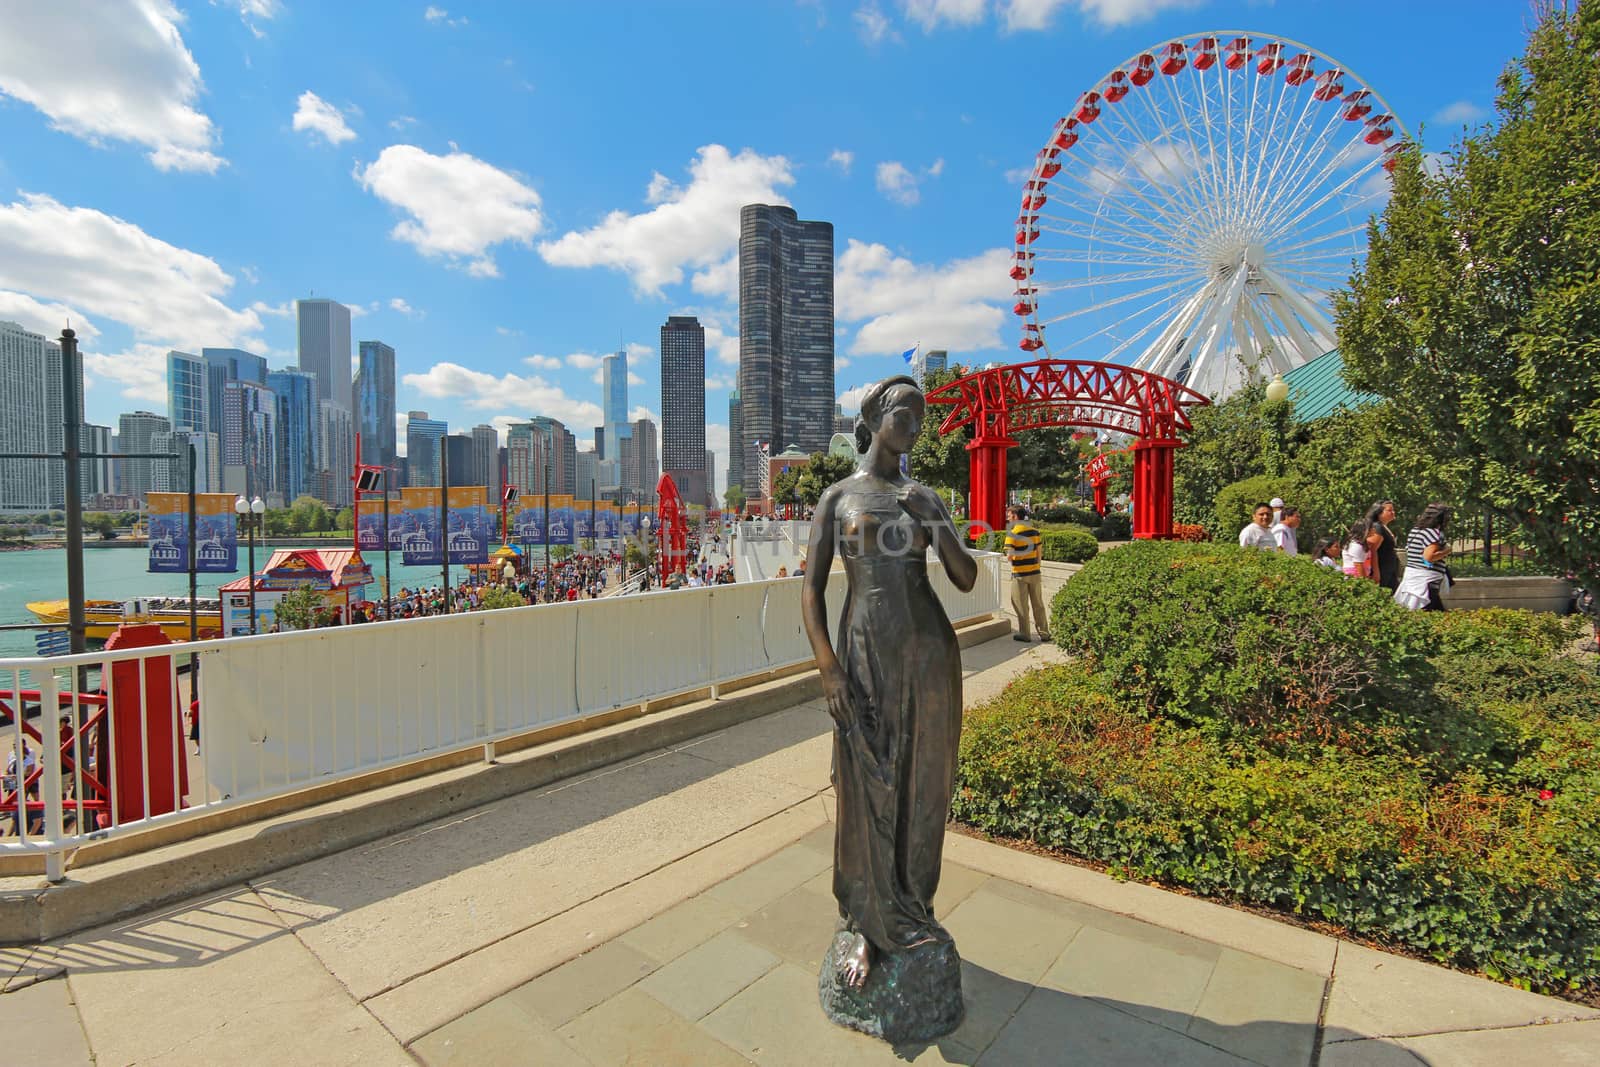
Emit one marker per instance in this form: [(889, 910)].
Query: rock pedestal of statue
[(913, 995)]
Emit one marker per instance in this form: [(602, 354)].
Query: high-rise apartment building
[(785, 330), (614, 403), (712, 499), (485, 459), (99, 475), (337, 434), (298, 440), (683, 406), (172, 476), (324, 347), (526, 449), (24, 483), (187, 392), (375, 399), (253, 418), (588, 474), (56, 417), (563, 454), (936, 360), (423, 449), (736, 453), (640, 461), (224, 365), (136, 432)]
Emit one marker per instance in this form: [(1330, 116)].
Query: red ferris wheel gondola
[(1088, 108), (1117, 87), (1067, 135), (1144, 69), (1237, 54), (1330, 85), (1300, 69), (1205, 53), (1172, 59), (1269, 58), (1357, 105), (1379, 129)]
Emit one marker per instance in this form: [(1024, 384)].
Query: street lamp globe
[(256, 506), (241, 506), (1277, 389)]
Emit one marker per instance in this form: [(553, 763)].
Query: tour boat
[(171, 613)]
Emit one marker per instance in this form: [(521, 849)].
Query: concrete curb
[(102, 892)]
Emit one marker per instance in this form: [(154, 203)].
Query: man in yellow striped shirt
[(1022, 547)]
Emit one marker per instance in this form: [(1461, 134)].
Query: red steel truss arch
[(1000, 401)]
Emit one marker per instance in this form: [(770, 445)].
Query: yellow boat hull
[(102, 617)]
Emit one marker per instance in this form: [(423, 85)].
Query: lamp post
[(250, 512), (1277, 412), (549, 577), (644, 525)]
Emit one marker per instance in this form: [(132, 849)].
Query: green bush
[(500, 597), (1235, 639), (1069, 544), (1464, 872), (1066, 513), (1235, 503), (1116, 526)]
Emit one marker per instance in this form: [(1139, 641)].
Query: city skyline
[(280, 156)]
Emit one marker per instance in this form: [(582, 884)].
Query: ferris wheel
[(1196, 207)]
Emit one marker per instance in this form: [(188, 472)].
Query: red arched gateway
[(1003, 400)]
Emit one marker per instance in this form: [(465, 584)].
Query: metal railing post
[(50, 760)]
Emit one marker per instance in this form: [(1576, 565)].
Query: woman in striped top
[(1426, 550)]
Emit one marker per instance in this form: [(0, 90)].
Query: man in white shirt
[(1258, 532), (1284, 538)]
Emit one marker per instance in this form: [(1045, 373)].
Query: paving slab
[(40, 1024), (699, 981), (1015, 940), (1055, 1028), (1261, 1010), (1148, 980), (770, 879), (497, 1033), (563, 994), (1375, 994), (1558, 1045), (798, 926), (682, 927), (634, 1029)]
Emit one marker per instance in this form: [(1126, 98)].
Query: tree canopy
[(1478, 308)]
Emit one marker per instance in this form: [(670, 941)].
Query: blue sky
[(506, 191)]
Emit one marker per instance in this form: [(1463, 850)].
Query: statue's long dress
[(894, 769)]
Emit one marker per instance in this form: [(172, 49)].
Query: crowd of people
[(1369, 550)]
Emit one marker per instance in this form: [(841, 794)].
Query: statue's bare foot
[(855, 964)]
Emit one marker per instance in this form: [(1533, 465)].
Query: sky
[(505, 192)]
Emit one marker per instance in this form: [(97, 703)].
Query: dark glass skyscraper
[(683, 406), (375, 404), (785, 331)]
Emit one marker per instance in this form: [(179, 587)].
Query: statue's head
[(891, 411)]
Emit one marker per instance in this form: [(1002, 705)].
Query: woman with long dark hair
[(1381, 545), (1426, 551)]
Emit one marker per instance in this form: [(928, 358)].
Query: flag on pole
[(909, 354)]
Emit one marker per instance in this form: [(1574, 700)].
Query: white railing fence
[(285, 712)]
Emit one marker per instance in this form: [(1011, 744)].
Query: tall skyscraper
[(252, 444), (736, 452), (712, 499), (683, 405), (563, 455), (324, 329), (187, 390), (98, 476), (459, 452), (785, 330), (224, 365), (588, 474), (172, 476), (298, 441), (336, 431), (640, 460), (936, 360), (485, 459), (24, 483), (375, 403), (422, 448), (136, 432), (526, 448), (614, 403)]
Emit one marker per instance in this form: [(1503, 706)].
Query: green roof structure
[(1318, 389)]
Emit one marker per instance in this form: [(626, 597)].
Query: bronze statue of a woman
[(893, 687)]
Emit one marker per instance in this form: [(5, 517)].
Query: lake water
[(123, 573)]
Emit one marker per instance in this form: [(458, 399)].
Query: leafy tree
[(1478, 308), (101, 523), (278, 523), (345, 519), (298, 608), (786, 487), (497, 597), (560, 553), (940, 460), (823, 470), (309, 515), (1231, 441), (733, 496)]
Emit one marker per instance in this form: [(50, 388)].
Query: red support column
[(986, 501), (1152, 489)]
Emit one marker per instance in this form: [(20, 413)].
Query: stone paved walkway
[(673, 910)]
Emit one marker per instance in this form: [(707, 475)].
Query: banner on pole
[(561, 518), (469, 524), (605, 518), (584, 516), (420, 536), (630, 520), (527, 525), (370, 534), (215, 529)]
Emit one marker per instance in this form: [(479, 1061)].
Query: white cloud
[(719, 279), (722, 331), (717, 443), (956, 306), (599, 377), (583, 361), (841, 362), (936, 168), (714, 382), (694, 225), (634, 380), (401, 421), (642, 412), (133, 78), (850, 399), (897, 183), (315, 115), (284, 310), (440, 16), (1460, 113), (1018, 175), (485, 392), (1018, 15), (842, 159), (929, 14), (872, 25), (459, 206), (400, 123), (507, 331), (638, 353), (398, 304), (543, 362), (45, 318)]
